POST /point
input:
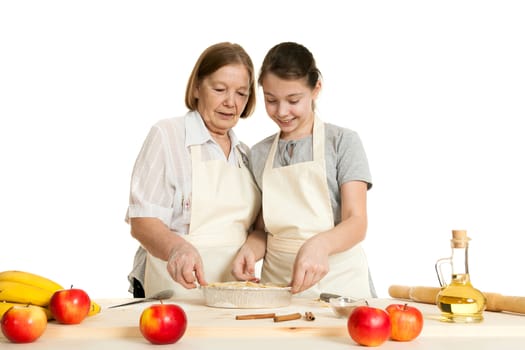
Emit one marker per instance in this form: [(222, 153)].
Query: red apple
[(70, 306), (24, 323), (163, 323), (369, 326), (407, 321)]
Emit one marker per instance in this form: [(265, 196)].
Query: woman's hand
[(185, 266), (244, 265), (310, 266)]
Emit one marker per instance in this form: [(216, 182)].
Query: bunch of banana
[(20, 287)]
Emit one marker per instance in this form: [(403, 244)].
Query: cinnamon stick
[(288, 317), (309, 316), (254, 316)]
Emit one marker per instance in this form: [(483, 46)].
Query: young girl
[(314, 179)]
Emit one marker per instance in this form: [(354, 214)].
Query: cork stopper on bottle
[(459, 239)]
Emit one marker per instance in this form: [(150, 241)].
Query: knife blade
[(162, 295)]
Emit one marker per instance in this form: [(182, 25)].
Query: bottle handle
[(439, 271)]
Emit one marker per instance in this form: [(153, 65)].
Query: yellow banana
[(4, 306), (48, 313), (94, 308), (17, 292), (31, 279)]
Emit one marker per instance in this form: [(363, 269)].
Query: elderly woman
[(193, 199)]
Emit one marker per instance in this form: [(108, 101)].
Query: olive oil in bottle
[(459, 301)]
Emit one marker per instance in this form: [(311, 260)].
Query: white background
[(436, 91)]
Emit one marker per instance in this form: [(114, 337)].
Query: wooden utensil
[(495, 301)]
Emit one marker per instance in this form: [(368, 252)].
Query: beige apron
[(225, 201), (296, 206)]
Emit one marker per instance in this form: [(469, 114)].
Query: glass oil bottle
[(459, 301)]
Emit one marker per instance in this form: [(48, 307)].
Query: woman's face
[(222, 97), (289, 104)]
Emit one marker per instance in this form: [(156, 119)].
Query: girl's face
[(222, 97), (289, 103)]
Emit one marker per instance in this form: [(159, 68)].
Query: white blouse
[(161, 179)]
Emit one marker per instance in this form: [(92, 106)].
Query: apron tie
[(283, 244)]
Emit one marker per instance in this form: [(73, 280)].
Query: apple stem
[(405, 306)]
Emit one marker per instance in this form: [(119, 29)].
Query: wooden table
[(216, 328)]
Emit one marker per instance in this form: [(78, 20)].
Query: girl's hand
[(311, 265)]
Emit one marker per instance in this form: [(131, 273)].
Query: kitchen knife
[(163, 294)]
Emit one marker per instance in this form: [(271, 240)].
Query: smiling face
[(222, 96), (289, 103)]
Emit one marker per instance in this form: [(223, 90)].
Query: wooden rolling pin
[(495, 301)]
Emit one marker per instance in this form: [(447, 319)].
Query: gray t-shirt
[(344, 154)]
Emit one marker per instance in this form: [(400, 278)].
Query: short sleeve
[(258, 154), (152, 192), (352, 162)]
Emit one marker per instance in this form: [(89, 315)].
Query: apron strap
[(318, 139), (196, 153), (271, 155)]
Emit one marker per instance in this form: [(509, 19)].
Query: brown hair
[(214, 58), (290, 61)]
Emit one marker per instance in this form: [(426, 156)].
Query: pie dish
[(246, 295)]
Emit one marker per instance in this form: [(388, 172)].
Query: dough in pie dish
[(246, 295)]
